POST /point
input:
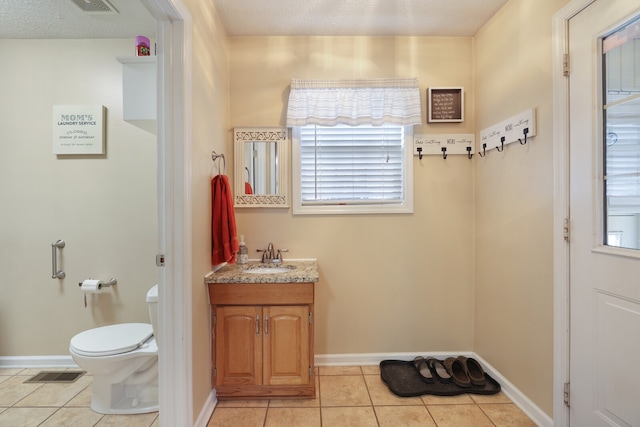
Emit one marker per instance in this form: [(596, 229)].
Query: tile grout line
[(266, 414), (29, 394), (24, 397), (487, 415), (428, 411), (373, 407)]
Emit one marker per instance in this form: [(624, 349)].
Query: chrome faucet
[(271, 255)]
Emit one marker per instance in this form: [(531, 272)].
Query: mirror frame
[(279, 135)]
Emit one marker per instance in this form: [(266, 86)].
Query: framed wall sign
[(445, 104), (78, 129)]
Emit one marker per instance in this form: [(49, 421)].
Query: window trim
[(328, 209)]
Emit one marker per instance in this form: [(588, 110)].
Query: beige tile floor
[(352, 396), (56, 405), (355, 396)]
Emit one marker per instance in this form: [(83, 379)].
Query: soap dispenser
[(243, 252)]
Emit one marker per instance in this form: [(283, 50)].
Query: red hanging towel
[(224, 240), (247, 188)]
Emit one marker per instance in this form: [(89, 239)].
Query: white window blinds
[(354, 102), (622, 171), (344, 165)]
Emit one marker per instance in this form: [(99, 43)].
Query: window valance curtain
[(354, 102)]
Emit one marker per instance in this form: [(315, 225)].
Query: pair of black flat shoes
[(462, 371)]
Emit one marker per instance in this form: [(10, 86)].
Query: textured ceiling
[(63, 19), (356, 17)]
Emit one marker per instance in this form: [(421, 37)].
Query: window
[(352, 169), (352, 145)]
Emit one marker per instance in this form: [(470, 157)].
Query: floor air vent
[(56, 377)]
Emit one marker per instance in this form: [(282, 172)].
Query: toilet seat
[(112, 339)]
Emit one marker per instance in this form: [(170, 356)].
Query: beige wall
[(104, 207), (210, 93), (388, 283), (514, 200)]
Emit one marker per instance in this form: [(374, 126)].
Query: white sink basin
[(268, 270)]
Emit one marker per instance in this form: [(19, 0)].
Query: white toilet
[(123, 360)]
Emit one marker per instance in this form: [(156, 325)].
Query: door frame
[(561, 294), (175, 380)]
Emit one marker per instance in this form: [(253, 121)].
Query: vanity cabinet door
[(286, 345), (238, 345)]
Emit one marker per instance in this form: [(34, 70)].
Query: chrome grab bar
[(55, 273)]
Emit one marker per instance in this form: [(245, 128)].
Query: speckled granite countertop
[(300, 271)]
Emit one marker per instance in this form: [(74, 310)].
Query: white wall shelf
[(443, 144), (139, 88), (517, 128)]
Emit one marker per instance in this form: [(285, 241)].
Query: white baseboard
[(362, 359), (207, 410), (517, 397), (520, 399), (37, 362)]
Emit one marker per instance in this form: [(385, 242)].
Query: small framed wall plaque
[(445, 104), (78, 129)]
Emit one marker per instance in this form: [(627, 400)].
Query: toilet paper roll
[(91, 286)]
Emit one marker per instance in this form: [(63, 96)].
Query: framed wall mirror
[(261, 167)]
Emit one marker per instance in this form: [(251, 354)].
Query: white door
[(605, 210)]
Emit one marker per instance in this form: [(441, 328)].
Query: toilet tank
[(152, 301)]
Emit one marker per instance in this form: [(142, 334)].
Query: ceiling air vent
[(95, 6)]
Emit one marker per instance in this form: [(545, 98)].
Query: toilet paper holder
[(111, 282)]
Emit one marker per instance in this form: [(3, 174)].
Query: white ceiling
[(356, 17), (63, 19)]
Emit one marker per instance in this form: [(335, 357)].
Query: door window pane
[(621, 139)]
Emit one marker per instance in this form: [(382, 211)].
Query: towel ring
[(215, 156)]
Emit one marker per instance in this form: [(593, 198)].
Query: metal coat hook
[(444, 153), (501, 148), (484, 150), (419, 152), (525, 131), (469, 155)]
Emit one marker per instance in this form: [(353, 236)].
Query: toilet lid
[(112, 339)]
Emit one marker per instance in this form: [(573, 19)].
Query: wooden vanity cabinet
[(262, 340)]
